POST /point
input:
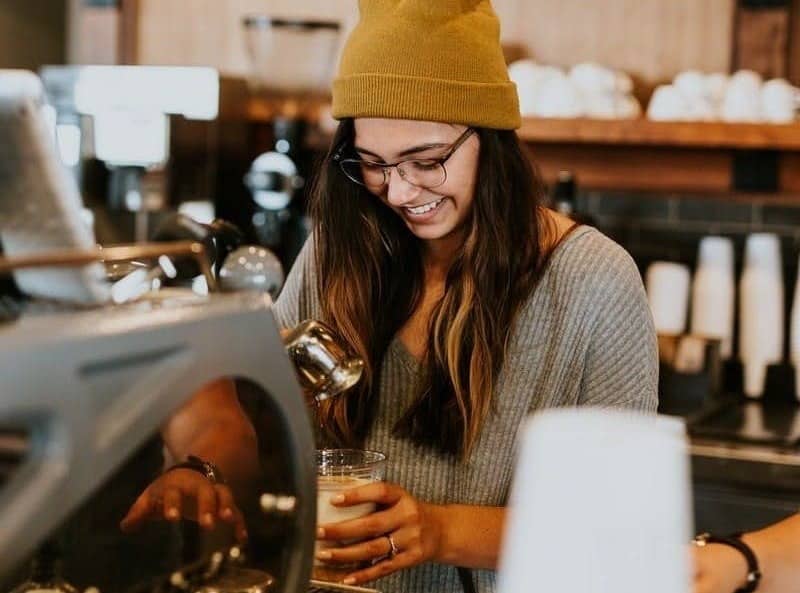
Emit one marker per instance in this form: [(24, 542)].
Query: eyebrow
[(407, 152)]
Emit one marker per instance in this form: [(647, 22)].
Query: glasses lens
[(353, 170), (423, 173), (364, 172)]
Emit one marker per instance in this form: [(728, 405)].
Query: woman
[(471, 304)]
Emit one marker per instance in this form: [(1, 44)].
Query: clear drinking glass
[(339, 470)]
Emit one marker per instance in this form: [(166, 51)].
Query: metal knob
[(252, 268), (278, 504)]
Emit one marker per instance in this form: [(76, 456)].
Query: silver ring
[(393, 550)]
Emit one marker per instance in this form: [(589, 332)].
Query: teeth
[(424, 208)]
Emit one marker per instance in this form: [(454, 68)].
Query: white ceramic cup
[(527, 75), (601, 503), (778, 101), (691, 83), (716, 86), (761, 313), (742, 101), (714, 293), (590, 78), (667, 286), (693, 86), (668, 104), (558, 98)]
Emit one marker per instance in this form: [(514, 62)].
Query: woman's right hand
[(718, 569), (185, 493)]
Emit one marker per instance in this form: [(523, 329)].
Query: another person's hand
[(185, 493), (718, 569), (410, 524)]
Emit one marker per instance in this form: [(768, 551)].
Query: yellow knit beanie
[(429, 60)]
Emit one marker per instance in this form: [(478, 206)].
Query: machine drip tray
[(759, 422)]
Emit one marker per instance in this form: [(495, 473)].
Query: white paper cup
[(794, 334), (600, 504), (761, 315), (667, 286), (714, 292)]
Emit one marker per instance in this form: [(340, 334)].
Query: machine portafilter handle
[(219, 237)]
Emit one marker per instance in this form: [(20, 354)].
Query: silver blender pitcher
[(325, 367)]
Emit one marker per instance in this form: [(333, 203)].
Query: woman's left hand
[(718, 569), (413, 526)]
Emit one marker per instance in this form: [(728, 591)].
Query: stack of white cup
[(794, 334), (742, 97), (714, 293), (590, 513), (761, 313), (667, 285)]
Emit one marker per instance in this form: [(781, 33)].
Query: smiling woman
[(471, 304)]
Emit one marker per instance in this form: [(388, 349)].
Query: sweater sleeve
[(621, 367), (298, 300)]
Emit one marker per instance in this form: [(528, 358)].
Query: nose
[(399, 191)]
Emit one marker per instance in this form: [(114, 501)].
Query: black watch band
[(753, 571), (208, 469)]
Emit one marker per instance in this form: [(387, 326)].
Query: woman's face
[(430, 213)]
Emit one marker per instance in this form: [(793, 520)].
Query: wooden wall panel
[(652, 39), (794, 43), (210, 33), (94, 34), (32, 33), (762, 40)]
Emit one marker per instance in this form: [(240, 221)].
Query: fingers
[(368, 550), (370, 526), (138, 512), (172, 504), (206, 505), (186, 495), (383, 568), (229, 512), (225, 503), (381, 493)]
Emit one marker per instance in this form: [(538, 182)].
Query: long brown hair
[(370, 280)]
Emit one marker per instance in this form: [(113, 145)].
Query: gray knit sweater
[(584, 338)]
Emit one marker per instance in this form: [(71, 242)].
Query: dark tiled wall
[(670, 227), (657, 227)]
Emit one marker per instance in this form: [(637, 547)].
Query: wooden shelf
[(644, 132), (635, 155)]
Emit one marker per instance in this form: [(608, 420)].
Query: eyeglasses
[(423, 173)]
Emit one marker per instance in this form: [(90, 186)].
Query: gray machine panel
[(92, 386)]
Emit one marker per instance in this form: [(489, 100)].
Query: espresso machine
[(120, 116), (86, 391), (85, 395), (291, 69), (93, 385)]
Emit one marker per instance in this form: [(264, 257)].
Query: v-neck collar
[(410, 361)]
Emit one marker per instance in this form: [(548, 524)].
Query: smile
[(425, 207)]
